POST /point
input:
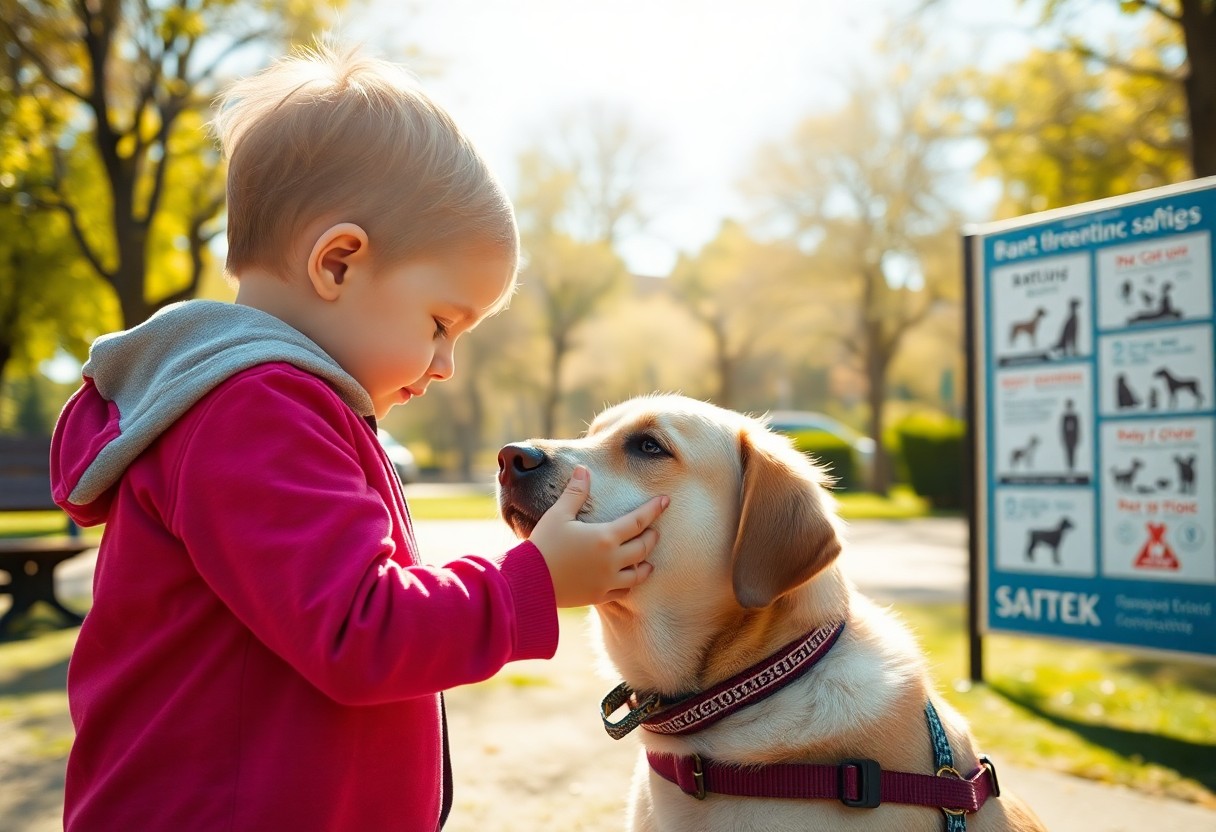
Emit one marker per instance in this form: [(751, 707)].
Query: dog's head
[(749, 518)]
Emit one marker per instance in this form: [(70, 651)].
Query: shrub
[(932, 449), (832, 453)]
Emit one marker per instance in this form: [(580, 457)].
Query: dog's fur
[(746, 562)]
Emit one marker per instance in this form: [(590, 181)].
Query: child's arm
[(595, 562), (274, 506)]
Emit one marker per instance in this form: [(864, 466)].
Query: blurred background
[(753, 203)]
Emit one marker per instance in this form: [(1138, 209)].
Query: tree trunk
[(6, 353), (469, 432), (1199, 33), (554, 395), (876, 399), (131, 275), (726, 369)]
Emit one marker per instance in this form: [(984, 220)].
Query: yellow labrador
[(771, 694)]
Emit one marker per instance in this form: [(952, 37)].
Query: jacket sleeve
[(276, 506)]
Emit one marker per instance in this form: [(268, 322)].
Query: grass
[(902, 504), (1100, 714), (470, 507), (26, 523)]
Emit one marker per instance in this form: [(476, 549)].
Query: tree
[(137, 78), (1061, 129), (576, 193), (863, 188), (737, 288), (1192, 24), (48, 299), (583, 179), (565, 282)]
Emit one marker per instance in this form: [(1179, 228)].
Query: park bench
[(29, 562)]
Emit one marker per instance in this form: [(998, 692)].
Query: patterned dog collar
[(697, 712)]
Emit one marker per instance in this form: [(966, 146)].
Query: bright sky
[(712, 80)]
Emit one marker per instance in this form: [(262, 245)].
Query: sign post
[(1092, 410)]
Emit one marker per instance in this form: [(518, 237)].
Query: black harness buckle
[(988, 764), (869, 784)]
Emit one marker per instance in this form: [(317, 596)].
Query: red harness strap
[(858, 783)]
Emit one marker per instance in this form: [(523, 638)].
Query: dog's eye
[(648, 446)]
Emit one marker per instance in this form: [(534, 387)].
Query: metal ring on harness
[(953, 772)]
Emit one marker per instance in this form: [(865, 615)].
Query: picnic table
[(28, 562)]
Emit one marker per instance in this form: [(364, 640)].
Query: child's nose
[(443, 365)]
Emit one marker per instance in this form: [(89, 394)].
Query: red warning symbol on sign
[(1156, 553)]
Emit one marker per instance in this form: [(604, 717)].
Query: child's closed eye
[(441, 328)]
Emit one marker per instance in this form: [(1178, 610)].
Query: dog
[(1051, 538), (1024, 453), (1173, 384), (1030, 327), (744, 569), (1124, 477)]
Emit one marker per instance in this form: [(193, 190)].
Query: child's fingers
[(628, 578), (631, 525), (633, 552), (575, 494)]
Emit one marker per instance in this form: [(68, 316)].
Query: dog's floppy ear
[(785, 534)]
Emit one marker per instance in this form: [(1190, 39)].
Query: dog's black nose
[(515, 461)]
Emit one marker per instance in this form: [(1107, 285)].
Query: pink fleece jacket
[(265, 649)]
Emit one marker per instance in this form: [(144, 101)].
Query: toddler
[(265, 649)]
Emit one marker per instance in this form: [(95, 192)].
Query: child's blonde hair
[(328, 134)]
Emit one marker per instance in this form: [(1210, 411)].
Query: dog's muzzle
[(521, 486)]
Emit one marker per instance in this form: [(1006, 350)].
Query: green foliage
[(30, 403), (1063, 128), (932, 448), (831, 452), (900, 503), (102, 142), (48, 297)]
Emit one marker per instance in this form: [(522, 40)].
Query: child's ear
[(340, 249)]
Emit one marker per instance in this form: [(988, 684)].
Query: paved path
[(922, 560)]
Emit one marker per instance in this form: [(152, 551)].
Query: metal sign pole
[(975, 640)]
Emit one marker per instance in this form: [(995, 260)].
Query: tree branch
[(1155, 6), (210, 69), (169, 115), (39, 61), (73, 219), (1158, 74)]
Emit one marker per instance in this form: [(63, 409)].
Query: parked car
[(400, 456), (803, 421)]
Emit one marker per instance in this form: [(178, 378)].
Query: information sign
[(1094, 421)]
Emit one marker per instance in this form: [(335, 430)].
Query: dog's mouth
[(522, 522)]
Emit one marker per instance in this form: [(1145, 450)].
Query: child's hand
[(595, 562)]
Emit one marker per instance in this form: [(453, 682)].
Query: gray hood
[(158, 370)]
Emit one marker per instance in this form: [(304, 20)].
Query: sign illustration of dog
[(1066, 344), (1124, 478), (1125, 397), (1029, 327), (1050, 538), (1186, 473), (1024, 454), (1173, 384)]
